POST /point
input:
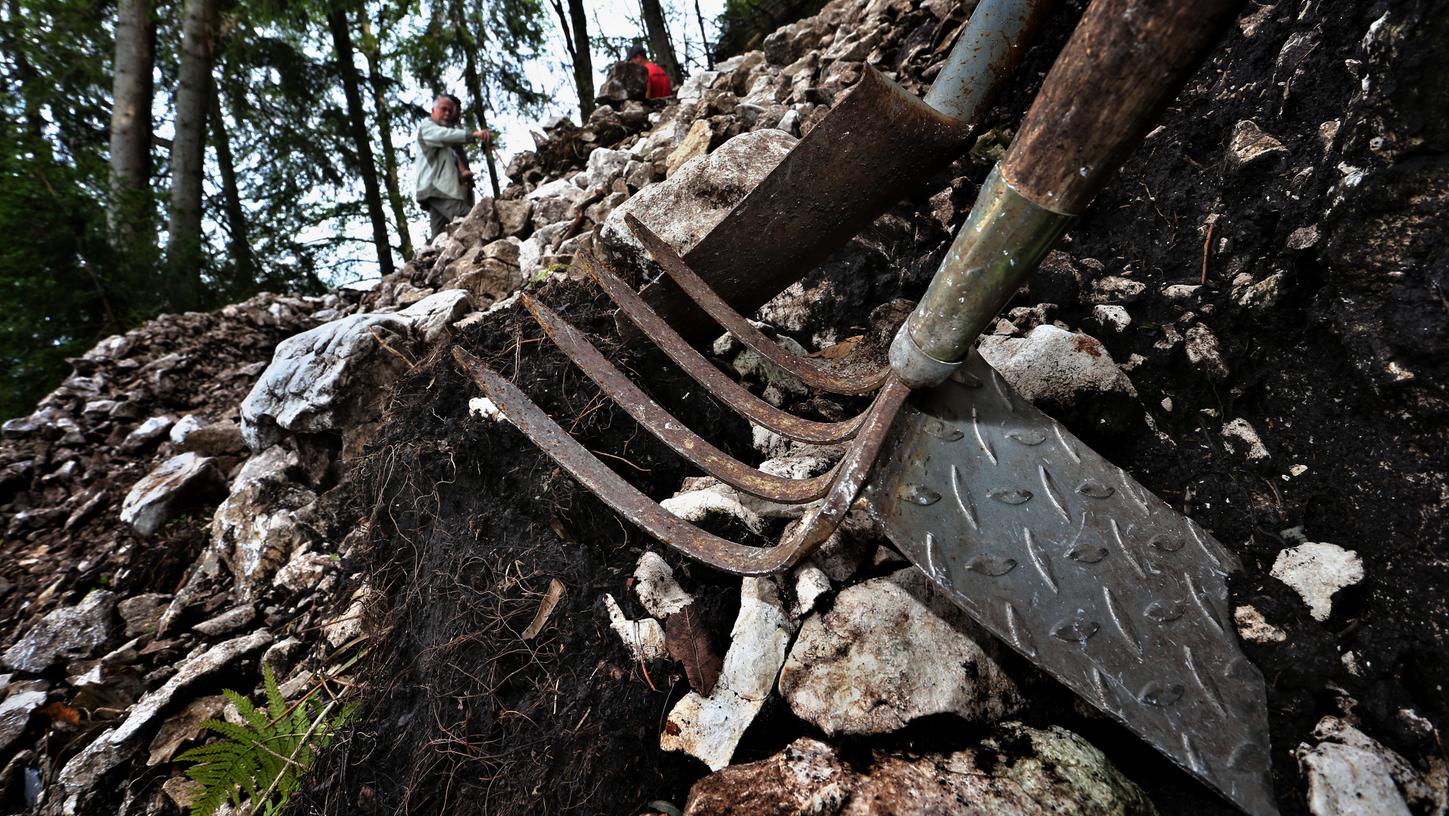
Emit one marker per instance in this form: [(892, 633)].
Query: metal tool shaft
[(1130, 57)]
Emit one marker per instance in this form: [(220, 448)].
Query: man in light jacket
[(440, 189)]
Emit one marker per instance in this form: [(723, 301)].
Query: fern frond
[(249, 712), (262, 760), (276, 703)]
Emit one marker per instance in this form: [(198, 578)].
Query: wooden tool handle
[(1125, 61)]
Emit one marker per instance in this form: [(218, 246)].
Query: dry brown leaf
[(839, 350), (688, 642), (545, 608)]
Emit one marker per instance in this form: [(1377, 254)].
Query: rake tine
[(668, 429), (717, 382), (655, 520), (807, 371)]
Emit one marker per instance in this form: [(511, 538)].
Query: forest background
[(171, 155)]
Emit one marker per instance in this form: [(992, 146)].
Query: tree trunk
[(188, 148), (129, 217), (236, 219), (582, 59), (378, 87), (658, 31), (704, 37), (342, 44), (475, 87)]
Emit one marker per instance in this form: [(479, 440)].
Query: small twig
[(622, 459), (1152, 199), (292, 760), (372, 330), (645, 669), (1277, 498), (1207, 248), (595, 403), (573, 228)]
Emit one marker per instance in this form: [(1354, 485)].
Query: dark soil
[(470, 522)]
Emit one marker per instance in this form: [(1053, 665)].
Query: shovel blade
[(1075, 565), (872, 149)]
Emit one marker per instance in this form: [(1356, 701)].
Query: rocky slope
[(1251, 320)]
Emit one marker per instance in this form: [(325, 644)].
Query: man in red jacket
[(658, 80)]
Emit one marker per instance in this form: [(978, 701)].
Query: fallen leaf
[(839, 350), (689, 643), (545, 608)]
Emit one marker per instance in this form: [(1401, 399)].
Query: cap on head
[(634, 51)]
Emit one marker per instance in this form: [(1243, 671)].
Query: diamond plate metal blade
[(1075, 565)]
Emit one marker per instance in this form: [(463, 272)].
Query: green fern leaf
[(276, 703), (262, 760)]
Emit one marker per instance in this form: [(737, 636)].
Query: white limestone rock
[(1251, 144), (484, 408), (431, 316), (146, 434), (1426, 791), (1115, 318), (1115, 289), (694, 144), (15, 712), (350, 624), (551, 201), (115, 745), (685, 207), (1204, 352), (326, 379), (1350, 779), (184, 427), (644, 638), (256, 529), (1253, 626), (1055, 364), (304, 570), (1241, 431), (607, 164), (709, 728), (67, 633), (694, 87), (810, 583), (1316, 570), (153, 500), (889, 652), (654, 583), (696, 506)]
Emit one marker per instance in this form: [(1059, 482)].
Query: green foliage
[(263, 760), (63, 286), (55, 256), (500, 35)]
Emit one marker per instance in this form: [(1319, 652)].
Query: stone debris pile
[(179, 511)]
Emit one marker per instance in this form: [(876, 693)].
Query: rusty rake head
[(834, 490)]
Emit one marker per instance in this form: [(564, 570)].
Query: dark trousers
[(441, 212)]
